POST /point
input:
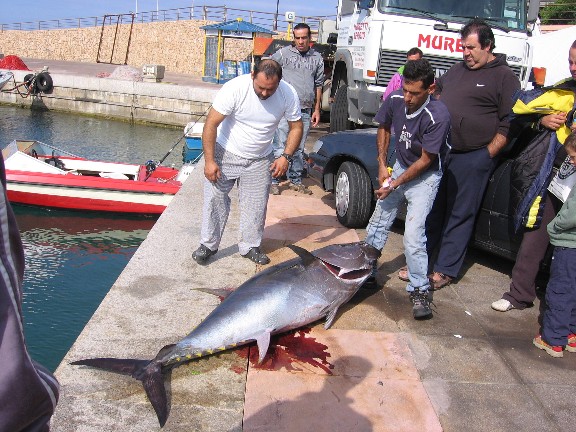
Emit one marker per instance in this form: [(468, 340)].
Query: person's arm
[(315, 118), (280, 165), (209, 133), (497, 144), (552, 121), (413, 171), (510, 86), (383, 136)]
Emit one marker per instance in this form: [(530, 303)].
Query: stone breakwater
[(177, 45)]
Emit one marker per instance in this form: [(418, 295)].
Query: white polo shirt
[(250, 123)]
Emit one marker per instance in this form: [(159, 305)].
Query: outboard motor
[(54, 161)]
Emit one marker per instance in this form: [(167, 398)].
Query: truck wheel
[(339, 111), (353, 195)]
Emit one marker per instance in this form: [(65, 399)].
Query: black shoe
[(421, 305), (258, 257), (202, 254)]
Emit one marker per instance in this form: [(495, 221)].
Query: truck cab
[(374, 36)]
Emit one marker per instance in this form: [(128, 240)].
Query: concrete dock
[(377, 369)]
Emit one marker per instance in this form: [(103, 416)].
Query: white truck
[(374, 36)]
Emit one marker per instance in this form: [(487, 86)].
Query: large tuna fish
[(284, 297)]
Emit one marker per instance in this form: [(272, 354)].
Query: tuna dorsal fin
[(330, 318), (306, 257), (263, 341)]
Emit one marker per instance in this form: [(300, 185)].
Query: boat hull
[(73, 183)]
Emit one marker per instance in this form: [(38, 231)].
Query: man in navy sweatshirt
[(478, 93)]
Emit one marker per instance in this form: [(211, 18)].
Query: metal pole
[(276, 17)]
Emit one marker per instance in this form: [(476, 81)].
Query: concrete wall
[(177, 45), (172, 105)]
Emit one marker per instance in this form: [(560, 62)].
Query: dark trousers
[(560, 314), (450, 224), (531, 253)]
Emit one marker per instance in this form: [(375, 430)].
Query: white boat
[(42, 175)]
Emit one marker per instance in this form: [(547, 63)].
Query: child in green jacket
[(559, 323)]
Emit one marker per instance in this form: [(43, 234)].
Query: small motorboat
[(5, 77), (192, 150), (39, 174)]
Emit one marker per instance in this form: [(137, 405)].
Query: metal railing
[(268, 20)]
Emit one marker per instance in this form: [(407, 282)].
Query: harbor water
[(73, 258)]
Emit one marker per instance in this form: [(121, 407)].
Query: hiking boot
[(275, 189), (571, 345), (554, 351), (421, 304), (202, 254), (300, 188), (257, 256)]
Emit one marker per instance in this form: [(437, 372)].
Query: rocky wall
[(177, 45)]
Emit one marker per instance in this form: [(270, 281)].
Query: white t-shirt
[(250, 122)]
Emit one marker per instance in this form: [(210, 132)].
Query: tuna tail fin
[(306, 257), (149, 373)]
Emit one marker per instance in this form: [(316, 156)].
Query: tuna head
[(348, 261)]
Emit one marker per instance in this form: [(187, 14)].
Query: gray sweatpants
[(253, 177)]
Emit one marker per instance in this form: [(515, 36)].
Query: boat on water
[(5, 77), (192, 150), (39, 174)]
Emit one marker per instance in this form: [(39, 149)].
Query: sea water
[(73, 258)]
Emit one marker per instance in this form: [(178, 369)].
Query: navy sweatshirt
[(479, 101)]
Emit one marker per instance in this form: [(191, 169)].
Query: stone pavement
[(468, 369)]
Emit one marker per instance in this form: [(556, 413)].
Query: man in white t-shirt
[(237, 143)]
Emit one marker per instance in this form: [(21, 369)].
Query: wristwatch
[(287, 157)]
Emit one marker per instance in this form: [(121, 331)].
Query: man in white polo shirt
[(237, 143)]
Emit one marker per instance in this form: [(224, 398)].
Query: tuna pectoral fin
[(306, 257), (330, 318), (146, 371), (263, 342)]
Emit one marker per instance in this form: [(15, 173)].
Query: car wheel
[(353, 195), (339, 110)]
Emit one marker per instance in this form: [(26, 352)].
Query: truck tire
[(353, 195), (339, 111)]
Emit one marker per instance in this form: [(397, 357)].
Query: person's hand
[(383, 174), (315, 118), (386, 188), (553, 121), (212, 171), (279, 167)]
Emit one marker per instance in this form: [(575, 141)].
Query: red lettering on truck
[(440, 43)]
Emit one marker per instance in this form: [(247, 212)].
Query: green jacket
[(562, 229)]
